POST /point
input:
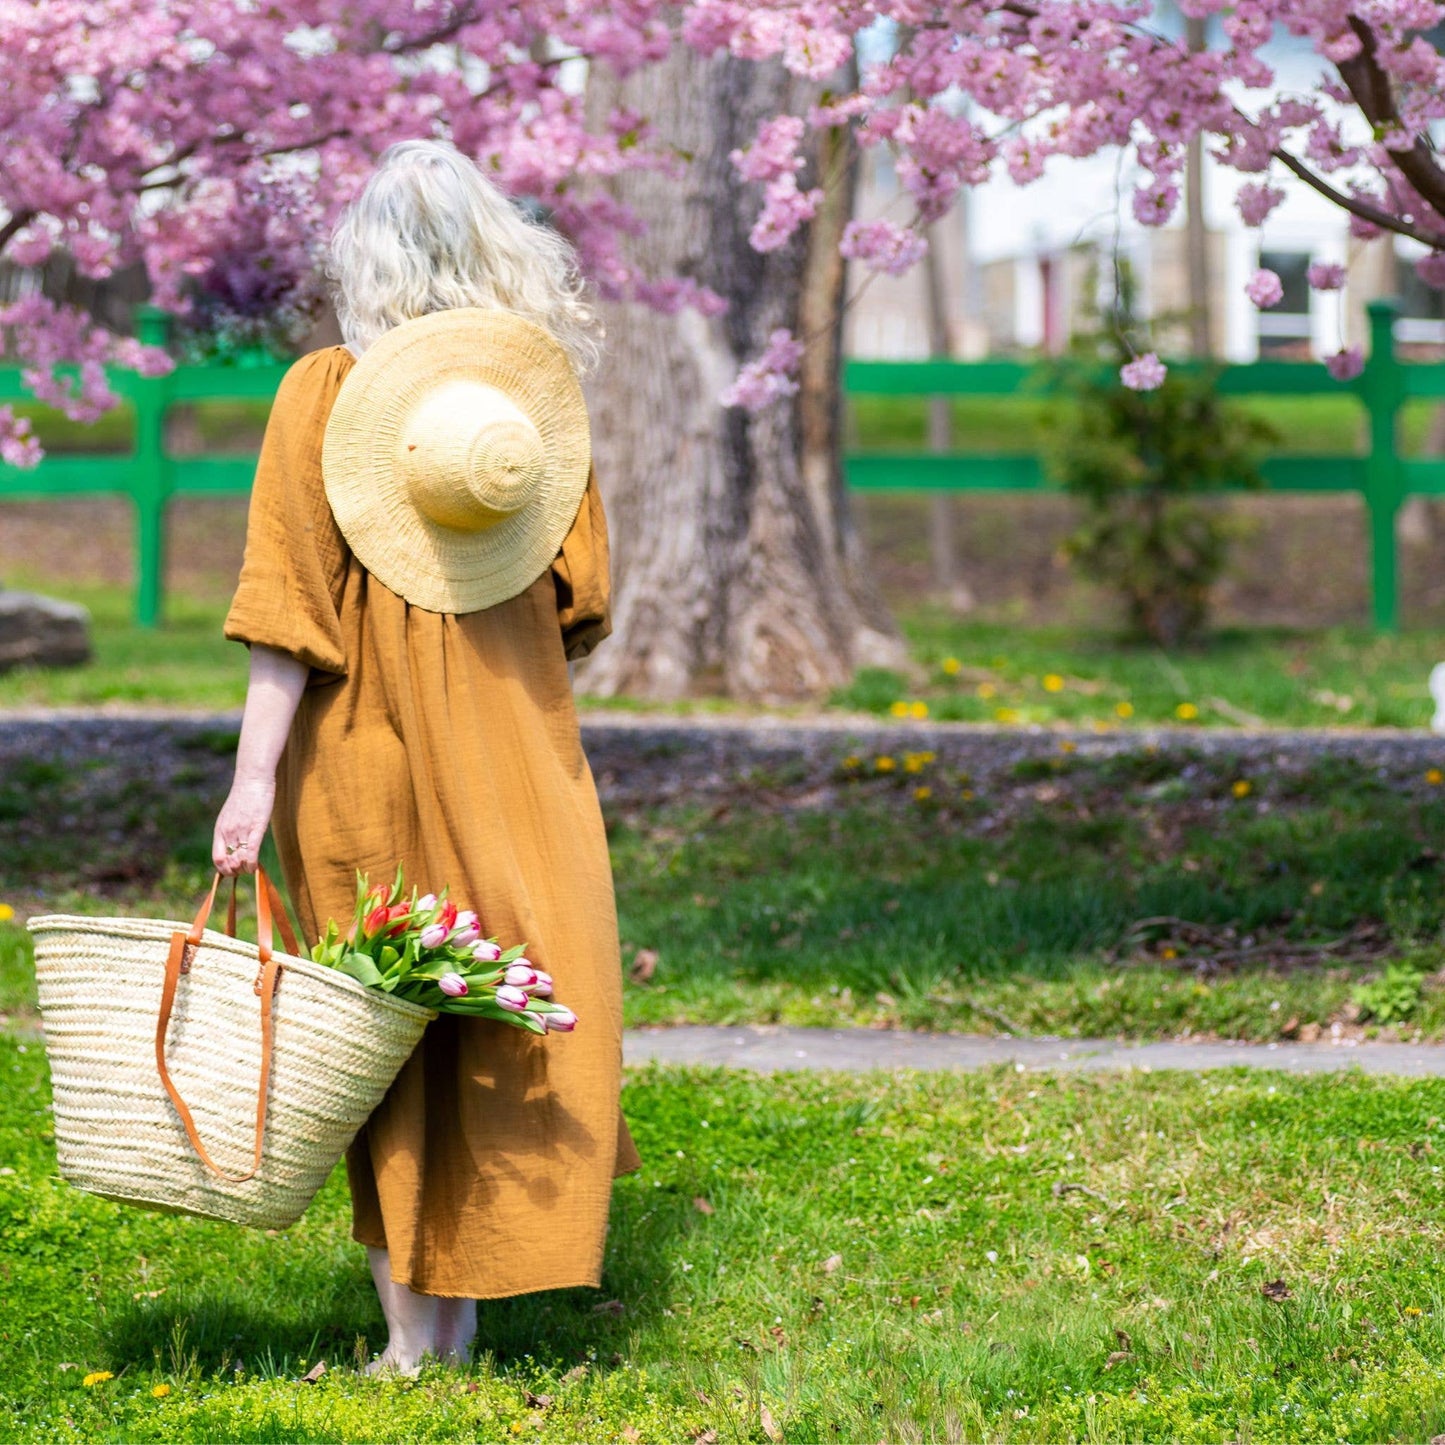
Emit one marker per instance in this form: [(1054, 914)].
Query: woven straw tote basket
[(197, 1074)]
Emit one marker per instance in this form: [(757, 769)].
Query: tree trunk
[(735, 566)]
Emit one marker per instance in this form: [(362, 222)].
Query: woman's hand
[(274, 692), (236, 847)]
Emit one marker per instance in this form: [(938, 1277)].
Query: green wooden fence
[(1381, 475), (151, 476)]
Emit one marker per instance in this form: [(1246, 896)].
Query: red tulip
[(448, 915), (375, 921)]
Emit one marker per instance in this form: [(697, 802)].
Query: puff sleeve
[(582, 579), (289, 594)]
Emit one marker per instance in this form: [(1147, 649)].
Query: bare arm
[(272, 696)]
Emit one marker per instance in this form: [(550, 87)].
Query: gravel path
[(648, 759), (777, 1049)]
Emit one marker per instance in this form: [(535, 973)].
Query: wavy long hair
[(430, 232)]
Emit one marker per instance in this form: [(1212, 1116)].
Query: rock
[(42, 631)]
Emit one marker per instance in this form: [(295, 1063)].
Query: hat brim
[(432, 566)]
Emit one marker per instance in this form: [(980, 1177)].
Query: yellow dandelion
[(516, 1427), (1053, 682), (884, 765), (160, 1391), (967, 795), (1123, 709), (1241, 787), (1068, 746), (852, 761), (6, 913), (987, 690), (952, 666), (912, 762), (1006, 714), (97, 1377), (922, 793), (1169, 953), (1413, 1312), (899, 708), (1186, 712), (918, 709), (1434, 777), (1100, 725)]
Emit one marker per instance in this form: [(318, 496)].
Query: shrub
[(1147, 467)]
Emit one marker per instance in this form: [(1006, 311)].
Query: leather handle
[(269, 910)]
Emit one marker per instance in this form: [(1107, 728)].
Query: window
[(1284, 330), (1422, 307)]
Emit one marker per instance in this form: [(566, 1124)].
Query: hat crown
[(469, 456)]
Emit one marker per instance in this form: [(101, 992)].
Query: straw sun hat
[(456, 456)]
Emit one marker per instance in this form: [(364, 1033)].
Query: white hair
[(430, 232)]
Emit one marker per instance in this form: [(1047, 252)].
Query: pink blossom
[(487, 951), (434, 935), (883, 246), (511, 999), (1326, 275), (768, 377), (1144, 373), (559, 1020), (1431, 269), (520, 974), (1346, 364), (1255, 201), (1264, 288), (453, 985)]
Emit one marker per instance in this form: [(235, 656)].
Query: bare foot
[(405, 1364)]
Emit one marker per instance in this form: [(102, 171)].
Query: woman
[(441, 734)]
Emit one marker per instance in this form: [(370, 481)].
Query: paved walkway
[(772, 1049)]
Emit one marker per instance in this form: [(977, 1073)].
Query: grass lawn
[(965, 671), (991, 672), (810, 1258), (1145, 895)]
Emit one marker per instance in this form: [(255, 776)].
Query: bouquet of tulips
[(429, 952)]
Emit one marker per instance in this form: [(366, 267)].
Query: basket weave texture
[(337, 1047)]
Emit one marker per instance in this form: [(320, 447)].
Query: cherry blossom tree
[(154, 133)]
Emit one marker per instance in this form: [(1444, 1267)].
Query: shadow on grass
[(228, 1328)]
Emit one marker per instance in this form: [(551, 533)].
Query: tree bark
[(735, 564)]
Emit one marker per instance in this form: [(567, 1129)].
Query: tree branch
[(1370, 86), (1357, 205), (14, 226)]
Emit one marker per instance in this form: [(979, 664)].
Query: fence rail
[(1383, 478), (150, 475)]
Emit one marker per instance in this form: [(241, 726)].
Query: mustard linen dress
[(450, 744)]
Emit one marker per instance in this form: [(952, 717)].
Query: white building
[(1016, 263)]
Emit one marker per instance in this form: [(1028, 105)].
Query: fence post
[(1382, 389), (150, 474)]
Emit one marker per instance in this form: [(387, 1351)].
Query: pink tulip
[(486, 951), (434, 935), (453, 985), (512, 999), (520, 975), (543, 986), (426, 903), (560, 1020), (465, 937)]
